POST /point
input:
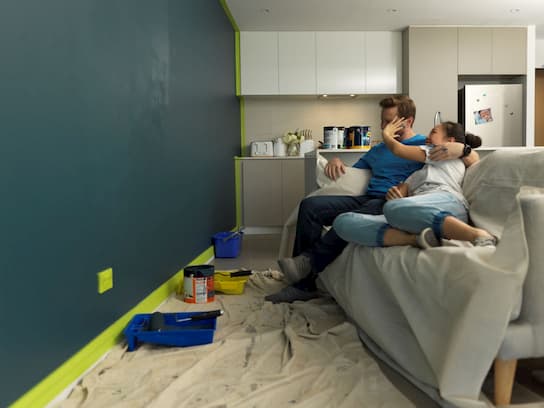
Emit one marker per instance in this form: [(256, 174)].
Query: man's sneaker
[(294, 269), (427, 239), (485, 241)]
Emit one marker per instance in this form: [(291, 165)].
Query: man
[(313, 251)]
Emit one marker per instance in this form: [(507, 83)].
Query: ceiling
[(387, 15)]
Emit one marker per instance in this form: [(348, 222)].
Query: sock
[(290, 294)]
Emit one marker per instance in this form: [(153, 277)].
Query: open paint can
[(198, 284)]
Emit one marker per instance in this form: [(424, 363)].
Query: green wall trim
[(242, 126), (238, 190), (56, 382), (237, 60), (229, 15)]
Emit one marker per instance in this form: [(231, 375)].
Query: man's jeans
[(315, 212)]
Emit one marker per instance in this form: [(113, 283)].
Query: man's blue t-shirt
[(387, 169)]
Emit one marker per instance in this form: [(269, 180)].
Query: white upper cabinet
[(383, 62), (510, 51), (475, 51), (497, 51), (296, 61), (340, 62), (328, 62), (259, 67)]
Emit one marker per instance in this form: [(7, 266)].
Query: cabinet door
[(432, 74), (340, 62), (383, 62), (261, 185), (510, 51), (475, 51), (296, 60), (259, 63), (293, 186)]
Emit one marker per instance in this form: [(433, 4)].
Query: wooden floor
[(259, 252)]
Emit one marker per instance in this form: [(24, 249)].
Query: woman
[(428, 206)]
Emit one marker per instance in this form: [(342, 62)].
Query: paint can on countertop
[(198, 286)]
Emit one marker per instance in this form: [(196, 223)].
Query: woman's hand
[(335, 168), (395, 192), (392, 128)]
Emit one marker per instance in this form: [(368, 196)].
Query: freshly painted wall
[(118, 127)]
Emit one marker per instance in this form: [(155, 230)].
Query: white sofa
[(443, 316)]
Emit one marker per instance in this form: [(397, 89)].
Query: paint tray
[(230, 282), (174, 332)]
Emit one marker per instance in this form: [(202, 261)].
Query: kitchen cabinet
[(296, 63), (495, 51), (432, 74), (340, 60), (510, 51), (315, 63), (259, 68), (271, 189), (475, 51), (383, 62)]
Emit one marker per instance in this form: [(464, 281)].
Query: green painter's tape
[(229, 15)]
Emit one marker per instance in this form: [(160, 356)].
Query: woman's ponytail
[(473, 140)]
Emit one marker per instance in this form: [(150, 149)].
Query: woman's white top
[(434, 176)]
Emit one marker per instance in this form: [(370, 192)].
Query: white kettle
[(280, 148)]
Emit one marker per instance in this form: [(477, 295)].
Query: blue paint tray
[(177, 329)]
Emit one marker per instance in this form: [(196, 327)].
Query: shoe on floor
[(485, 241), (290, 294), (295, 269), (427, 239)]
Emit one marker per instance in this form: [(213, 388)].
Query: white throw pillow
[(353, 182)]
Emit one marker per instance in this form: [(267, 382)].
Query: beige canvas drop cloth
[(263, 355)]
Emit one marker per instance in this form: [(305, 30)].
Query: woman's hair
[(405, 105), (456, 131)]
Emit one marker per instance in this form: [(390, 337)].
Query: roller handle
[(240, 273), (204, 315)]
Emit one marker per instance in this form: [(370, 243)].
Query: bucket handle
[(236, 233)]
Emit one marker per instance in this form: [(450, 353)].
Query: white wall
[(539, 56), (267, 118)]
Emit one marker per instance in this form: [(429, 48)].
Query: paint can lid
[(199, 271)]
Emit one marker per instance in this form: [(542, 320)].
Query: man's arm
[(453, 150)]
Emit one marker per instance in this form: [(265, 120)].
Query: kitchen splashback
[(267, 118)]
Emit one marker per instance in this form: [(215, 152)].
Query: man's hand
[(446, 151), (395, 192), (335, 168)]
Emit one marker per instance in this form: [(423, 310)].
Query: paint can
[(198, 284), (330, 137)]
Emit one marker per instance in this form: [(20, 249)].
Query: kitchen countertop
[(269, 158)]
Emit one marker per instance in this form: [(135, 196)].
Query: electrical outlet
[(105, 280)]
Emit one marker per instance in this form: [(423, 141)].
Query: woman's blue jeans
[(410, 214)]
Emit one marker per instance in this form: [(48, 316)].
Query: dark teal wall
[(118, 127)]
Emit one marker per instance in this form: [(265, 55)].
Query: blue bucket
[(227, 244)]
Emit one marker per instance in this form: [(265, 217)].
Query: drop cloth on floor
[(263, 355)]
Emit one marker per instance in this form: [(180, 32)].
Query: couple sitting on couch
[(432, 207)]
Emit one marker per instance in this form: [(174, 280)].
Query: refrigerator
[(494, 112)]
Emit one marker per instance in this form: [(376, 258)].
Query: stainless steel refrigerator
[(493, 112)]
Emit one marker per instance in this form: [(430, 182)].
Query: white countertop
[(269, 158)]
